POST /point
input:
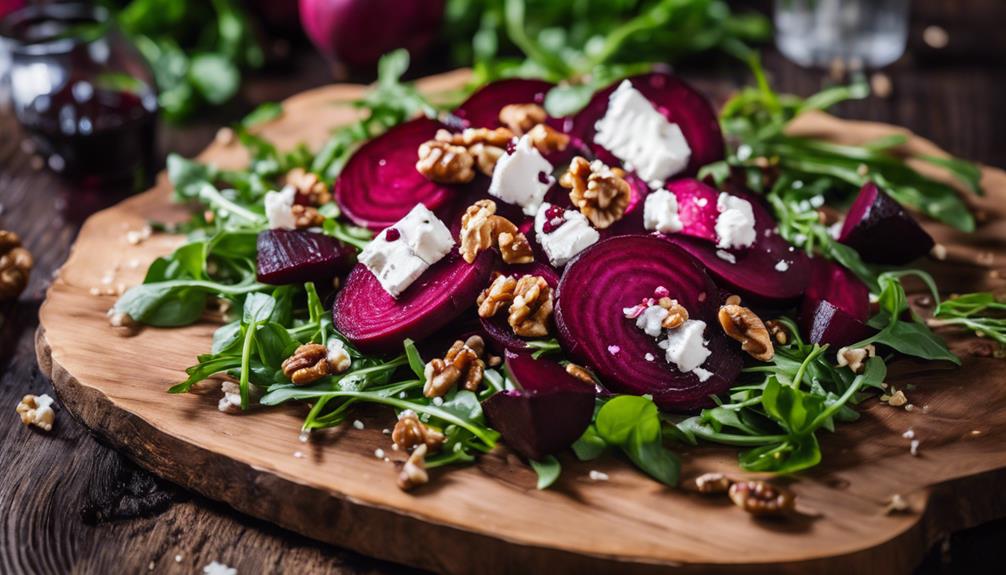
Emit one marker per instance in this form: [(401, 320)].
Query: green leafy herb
[(632, 423), (982, 313), (548, 470)]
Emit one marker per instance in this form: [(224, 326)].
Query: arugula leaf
[(548, 470), (908, 337), (590, 445), (632, 423)]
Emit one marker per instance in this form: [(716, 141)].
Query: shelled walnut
[(743, 325), (311, 190), (462, 363), (37, 410), (15, 265), (520, 118), (414, 472), (762, 498), (498, 295), (445, 163), (531, 307), (410, 432), (485, 145), (547, 139), (599, 192), (305, 217), (482, 229), (313, 361)]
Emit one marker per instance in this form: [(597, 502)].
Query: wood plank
[(489, 516)]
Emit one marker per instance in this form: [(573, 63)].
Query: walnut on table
[(37, 410)]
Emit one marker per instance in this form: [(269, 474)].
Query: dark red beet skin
[(618, 273), (835, 307), (678, 102), (295, 256), (377, 323), (496, 328), (753, 274), (380, 183), (547, 412), (882, 231), (482, 109)]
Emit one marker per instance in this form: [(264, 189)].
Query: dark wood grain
[(68, 503)]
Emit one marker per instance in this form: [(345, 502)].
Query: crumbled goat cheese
[(639, 135), (568, 239), (279, 209), (597, 475), (726, 256), (216, 568), (781, 266), (358, 424), (914, 447), (522, 177), (402, 252), (614, 349), (650, 320), (379, 453), (684, 346), (702, 374), (910, 434), (735, 226), (649, 357), (337, 356), (660, 212)]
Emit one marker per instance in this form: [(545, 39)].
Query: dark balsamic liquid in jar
[(84, 95)]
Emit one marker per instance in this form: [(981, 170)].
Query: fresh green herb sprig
[(589, 44), (982, 313)]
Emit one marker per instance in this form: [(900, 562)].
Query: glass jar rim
[(10, 29)]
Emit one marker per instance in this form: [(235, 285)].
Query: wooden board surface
[(489, 517)]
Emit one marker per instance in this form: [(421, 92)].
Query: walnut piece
[(580, 373), (713, 483), (37, 410), (305, 217), (414, 471), (520, 118), (599, 192), (463, 362), (547, 139), (676, 313), (313, 361), (743, 325), (778, 331), (498, 294), (761, 498), (481, 229), (410, 432), (855, 357), (311, 190), (531, 307), (15, 265), (445, 163), (486, 146)]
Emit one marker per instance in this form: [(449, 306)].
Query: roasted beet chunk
[(835, 307), (294, 256), (882, 231)]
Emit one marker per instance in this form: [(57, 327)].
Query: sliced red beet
[(769, 271), (547, 412), (376, 322), (678, 102), (882, 231), (380, 183), (294, 256), (618, 273), (496, 328), (835, 307), (482, 109)]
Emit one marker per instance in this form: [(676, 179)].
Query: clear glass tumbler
[(858, 33)]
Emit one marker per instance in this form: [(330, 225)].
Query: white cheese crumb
[(735, 226), (702, 374), (660, 212), (522, 177), (781, 266), (910, 434), (613, 349), (386, 431), (304, 436), (651, 319), (358, 424), (566, 241), (438, 401), (639, 135), (298, 454), (178, 558), (914, 447), (279, 209), (700, 202), (726, 256), (685, 347), (379, 453), (216, 568), (597, 475), (403, 251), (337, 356), (649, 356)]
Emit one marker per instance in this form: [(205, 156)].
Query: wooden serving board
[(488, 518)]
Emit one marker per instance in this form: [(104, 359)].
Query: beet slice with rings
[(546, 413), (295, 256), (675, 100), (835, 307), (380, 183), (770, 271), (375, 322), (482, 109), (618, 273), (496, 328), (882, 231)]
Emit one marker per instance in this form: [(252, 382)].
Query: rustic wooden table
[(70, 504)]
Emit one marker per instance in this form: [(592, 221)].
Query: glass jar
[(83, 93), (857, 33)]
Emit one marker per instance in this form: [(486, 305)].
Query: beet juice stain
[(84, 95)]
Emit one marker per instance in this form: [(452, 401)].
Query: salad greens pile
[(777, 409)]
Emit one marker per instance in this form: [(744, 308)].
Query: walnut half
[(482, 229), (313, 361), (410, 432), (445, 163), (743, 325), (531, 307), (311, 190), (463, 362), (762, 498), (599, 192)]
